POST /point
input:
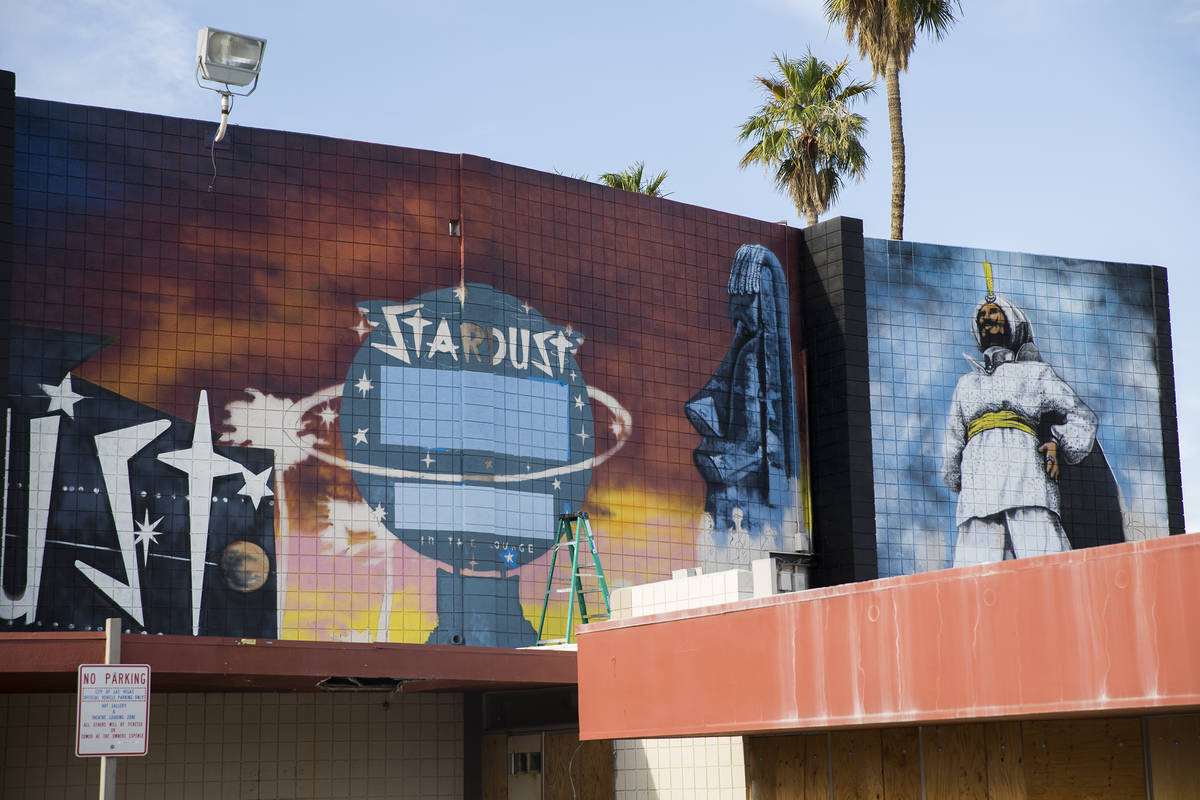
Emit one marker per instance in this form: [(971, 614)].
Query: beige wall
[(705, 768), (247, 746)]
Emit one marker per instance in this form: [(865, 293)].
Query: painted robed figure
[(1013, 424)]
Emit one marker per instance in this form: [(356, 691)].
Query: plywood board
[(1085, 759), (774, 766), (495, 766), (901, 763), (789, 767), (955, 762), (1005, 764), (816, 767), (592, 768), (1174, 744), (857, 764)]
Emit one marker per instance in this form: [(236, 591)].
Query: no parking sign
[(114, 710)]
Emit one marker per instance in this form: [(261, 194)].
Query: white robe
[(1001, 469)]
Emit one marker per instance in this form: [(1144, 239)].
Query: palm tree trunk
[(811, 217), (891, 75)]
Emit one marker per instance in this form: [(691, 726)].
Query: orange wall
[(1103, 629)]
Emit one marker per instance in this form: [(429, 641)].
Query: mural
[(1014, 428), (1040, 444), (124, 511), (746, 414), (301, 405)]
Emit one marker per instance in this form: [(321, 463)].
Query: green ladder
[(573, 529)]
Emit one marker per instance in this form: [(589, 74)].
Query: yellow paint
[(987, 276), (310, 616), (641, 536)]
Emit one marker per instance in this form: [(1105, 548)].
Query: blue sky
[(1061, 127)]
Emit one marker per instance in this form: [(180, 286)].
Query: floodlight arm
[(226, 90), (226, 105), (227, 96)]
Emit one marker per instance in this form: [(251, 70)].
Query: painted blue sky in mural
[(999, 166)]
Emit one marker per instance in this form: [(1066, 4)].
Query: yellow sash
[(1000, 419)]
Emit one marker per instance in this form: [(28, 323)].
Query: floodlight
[(231, 59)]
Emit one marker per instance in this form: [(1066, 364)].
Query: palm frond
[(805, 133), (632, 179)]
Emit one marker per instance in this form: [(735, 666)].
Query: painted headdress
[(1020, 332)]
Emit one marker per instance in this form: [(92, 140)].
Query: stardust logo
[(468, 425)]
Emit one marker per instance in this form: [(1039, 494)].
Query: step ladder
[(574, 531)]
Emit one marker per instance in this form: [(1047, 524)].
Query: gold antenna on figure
[(987, 276)]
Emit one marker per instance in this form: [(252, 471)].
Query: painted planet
[(245, 566)]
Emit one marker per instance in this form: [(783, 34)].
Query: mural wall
[(1016, 404), (328, 390)]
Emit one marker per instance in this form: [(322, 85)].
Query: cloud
[(133, 54), (1188, 13)]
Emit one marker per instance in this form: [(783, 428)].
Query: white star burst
[(147, 534), (360, 435), (364, 384), (364, 327)]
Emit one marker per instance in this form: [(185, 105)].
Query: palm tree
[(632, 180), (886, 31), (806, 132)]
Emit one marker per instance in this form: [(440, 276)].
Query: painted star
[(487, 464), (364, 327), (378, 513), (460, 294), (147, 534), (525, 307), (256, 486), (557, 484), (428, 460), (579, 402), (510, 557), (360, 436), (327, 415), (364, 384), (62, 397), (583, 435), (572, 374), (202, 465), (616, 428)]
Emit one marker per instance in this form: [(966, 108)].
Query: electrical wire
[(571, 769), (212, 145)]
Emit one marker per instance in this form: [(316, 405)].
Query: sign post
[(112, 718)]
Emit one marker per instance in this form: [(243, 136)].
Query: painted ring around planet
[(622, 427)]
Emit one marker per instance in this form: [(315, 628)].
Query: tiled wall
[(339, 391), (399, 409), (1090, 376), (246, 745), (710, 768), (677, 769)]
